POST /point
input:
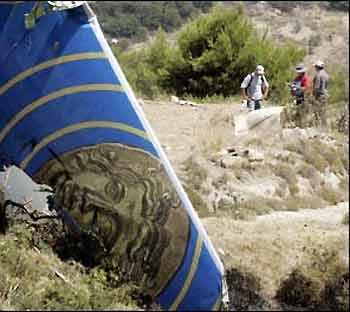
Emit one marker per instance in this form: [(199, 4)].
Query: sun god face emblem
[(125, 194)]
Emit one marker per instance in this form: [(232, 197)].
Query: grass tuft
[(32, 279)]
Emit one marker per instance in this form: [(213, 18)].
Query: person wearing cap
[(301, 84), (320, 81), (255, 88), (320, 85)]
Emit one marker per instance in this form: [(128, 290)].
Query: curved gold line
[(217, 304), (53, 62), (190, 275), (52, 96), (84, 125)]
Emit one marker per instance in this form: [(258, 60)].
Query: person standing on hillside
[(320, 92), (301, 87), (255, 88), (302, 84)]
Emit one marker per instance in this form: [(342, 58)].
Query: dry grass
[(221, 181), (319, 282), (196, 174), (262, 254), (286, 172), (258, 205), (309, 172), (289, 158), (344, 157), (312, 157), (294, 189), (295, 203), (344, 184), (321, 155), (331, 195), (280, 191), (29, 279), (214, 146), (345, 220), (336, 157), (198, 203), (255, 206), (255, 141)]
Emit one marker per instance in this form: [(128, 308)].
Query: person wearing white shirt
[(255, 88)]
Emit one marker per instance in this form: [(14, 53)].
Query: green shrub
[(145, 69), (212, 55), (217, 51), (339, 5), (339, 85)]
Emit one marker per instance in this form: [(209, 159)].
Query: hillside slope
[(254, 211)]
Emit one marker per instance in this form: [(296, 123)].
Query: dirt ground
[(183, 130), (268, 247)]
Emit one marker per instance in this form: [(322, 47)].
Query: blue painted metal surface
[(59, 91)]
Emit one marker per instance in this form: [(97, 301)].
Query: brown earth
[(262, 250)]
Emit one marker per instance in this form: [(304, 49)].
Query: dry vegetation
[(346, 219), (310, 171), (290, 263), (285, 261), (33, 277), (320, 283)]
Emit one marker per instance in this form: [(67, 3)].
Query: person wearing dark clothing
[(320, 92), (302, 83)]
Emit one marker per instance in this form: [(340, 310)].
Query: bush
[(320, 283), (212, 55), (144, 69), (339, 86), (245, 291), (339, 5), (215, 52), (298, 290)]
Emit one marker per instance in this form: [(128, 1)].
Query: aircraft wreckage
[(70, 120)]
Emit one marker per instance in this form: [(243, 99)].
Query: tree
[(212, 55), (339, 5), (216, 51)]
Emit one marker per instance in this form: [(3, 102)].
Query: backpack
[(263, 85)]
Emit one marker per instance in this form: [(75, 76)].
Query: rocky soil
[(275, 200)]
